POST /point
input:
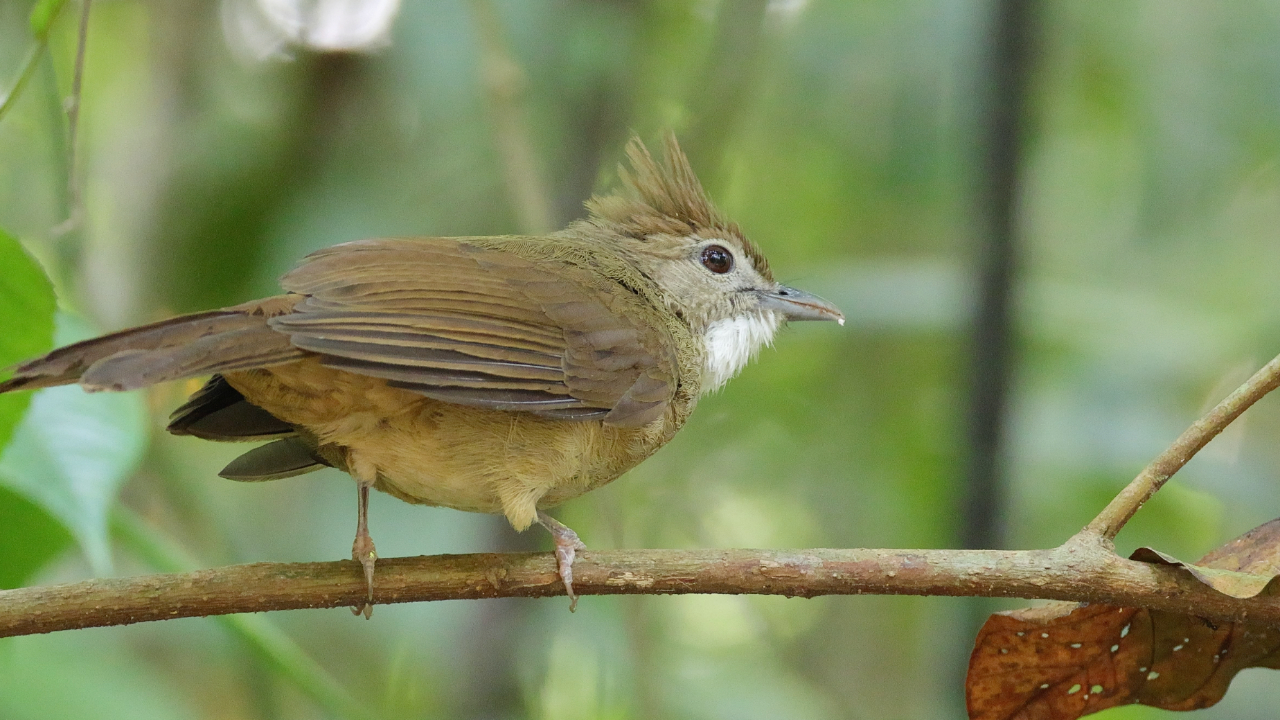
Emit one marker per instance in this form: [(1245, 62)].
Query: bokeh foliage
[(840, 135)]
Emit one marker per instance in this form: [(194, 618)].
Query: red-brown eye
[(717, 259)]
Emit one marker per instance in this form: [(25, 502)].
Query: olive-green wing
[(481, 327)]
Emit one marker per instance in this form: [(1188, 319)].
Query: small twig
[(42, 17), (1076, 571), (1114, 516), (73, 124), (24, 75)]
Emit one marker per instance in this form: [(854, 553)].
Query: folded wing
[(481, 327)]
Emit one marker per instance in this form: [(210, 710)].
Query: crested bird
[(501, 374)]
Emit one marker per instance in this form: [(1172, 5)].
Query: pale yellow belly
[(430, 452), (481, 460)]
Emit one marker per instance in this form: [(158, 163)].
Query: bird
[(491, 374)]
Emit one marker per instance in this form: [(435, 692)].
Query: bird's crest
[(666, 198)]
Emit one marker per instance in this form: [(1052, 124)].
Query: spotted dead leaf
[(1065, 660), (1242, 568)]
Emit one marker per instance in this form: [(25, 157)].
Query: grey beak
[(800, 305)]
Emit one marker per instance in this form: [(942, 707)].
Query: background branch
[(24, 76), (73, 125), (42, 17), (1080, 571)]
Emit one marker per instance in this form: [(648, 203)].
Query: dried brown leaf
[(1242, 568), (1064, 660)]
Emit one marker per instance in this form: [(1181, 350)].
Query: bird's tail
[(236, 338)]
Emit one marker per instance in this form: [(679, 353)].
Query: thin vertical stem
[(73, 124)]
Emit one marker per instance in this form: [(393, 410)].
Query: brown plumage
[(489, 374)]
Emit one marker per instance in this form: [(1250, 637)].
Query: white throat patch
[(731, 343)]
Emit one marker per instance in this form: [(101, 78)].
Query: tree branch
[(1084, 569), (1080, 570)]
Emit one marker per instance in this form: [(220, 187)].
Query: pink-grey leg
[(362, 550), (567, 546)]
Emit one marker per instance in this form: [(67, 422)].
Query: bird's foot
[(567, 546), (363, 552)]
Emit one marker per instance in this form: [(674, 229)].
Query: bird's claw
[(565, 555), (567, 546), (363, 552)]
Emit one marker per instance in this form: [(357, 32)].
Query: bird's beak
[(800, 305)]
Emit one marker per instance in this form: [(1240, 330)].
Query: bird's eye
[(717, 259)]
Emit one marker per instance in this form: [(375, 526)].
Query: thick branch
[(1080, 570), (1155, 475)]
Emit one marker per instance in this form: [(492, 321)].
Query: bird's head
[(714, 278)]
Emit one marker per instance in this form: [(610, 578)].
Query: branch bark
[(1083, 569)]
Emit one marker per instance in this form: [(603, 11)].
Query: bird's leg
[(362, 550), (567, 547)]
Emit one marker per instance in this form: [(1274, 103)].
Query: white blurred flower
[(266, 29)]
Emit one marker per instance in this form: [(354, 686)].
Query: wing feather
[(476, 326)]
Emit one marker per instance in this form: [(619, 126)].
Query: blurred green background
[(221, 141)]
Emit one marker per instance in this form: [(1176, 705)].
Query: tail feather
[(218, 411), (186, 346), (241, 349), (274, 461)]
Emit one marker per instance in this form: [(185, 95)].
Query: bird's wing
[(481, 327)]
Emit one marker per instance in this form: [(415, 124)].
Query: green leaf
[(27, 305), (73, 450), (29, 534), (43, 15), (30, 538)]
